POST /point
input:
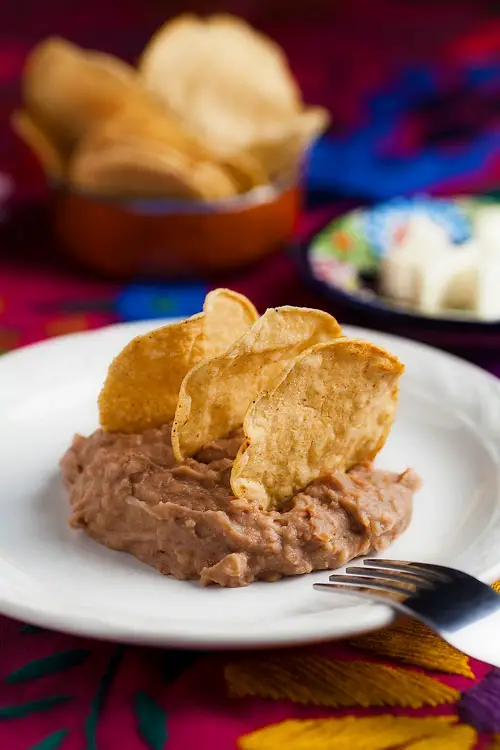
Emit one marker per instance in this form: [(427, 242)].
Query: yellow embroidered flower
[(413, 643), (335, 683), (342, 683), (371, 733)]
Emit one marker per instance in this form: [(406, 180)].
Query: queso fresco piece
[(282, 482), (424, 269)]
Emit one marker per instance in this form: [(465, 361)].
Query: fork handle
[(480, 639)]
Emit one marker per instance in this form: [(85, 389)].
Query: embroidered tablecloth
[(414, 90)]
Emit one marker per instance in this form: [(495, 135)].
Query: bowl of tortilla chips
[(189, 162)]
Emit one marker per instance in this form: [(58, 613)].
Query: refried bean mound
[(129, 493)]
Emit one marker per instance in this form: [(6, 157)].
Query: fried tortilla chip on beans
[(143, 381), (216, 394), (332, 409), (228, 316)]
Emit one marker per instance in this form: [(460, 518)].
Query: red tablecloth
[(402, 687)]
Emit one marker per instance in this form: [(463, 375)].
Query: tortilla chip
[(281, 150), (332, 409), (216, 394), (137, 169), (222, 79), (47, 152), (228, 316), (246, 169), (67, 90), (143, 381), (146, 122), (152, 129), (141, 151)]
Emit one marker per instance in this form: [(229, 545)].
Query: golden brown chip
[(332, 409), (67, 90), (137, 169), (44, 149), (216, 394), (222, 79), (282, 148), (147, 122), (246, 169), (260, 61), (156, 131), (228, 316), (143, 381)]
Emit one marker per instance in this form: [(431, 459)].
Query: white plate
[(448, 429)]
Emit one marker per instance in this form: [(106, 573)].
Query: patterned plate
[(344, 258)]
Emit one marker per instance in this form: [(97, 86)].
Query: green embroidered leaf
[(52, 741), (24, 709), (102, 691), (152, 724), (31, 629), (50, 664)]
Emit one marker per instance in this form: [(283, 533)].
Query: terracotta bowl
[(159, 237)]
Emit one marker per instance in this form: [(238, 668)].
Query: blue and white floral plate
[(344, 257)]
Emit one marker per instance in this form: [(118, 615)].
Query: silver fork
[(464, 611)]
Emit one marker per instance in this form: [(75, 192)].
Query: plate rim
[(374, 616)]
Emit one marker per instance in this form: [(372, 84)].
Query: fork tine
[(354, 591), (364, 582), (421, 569), (407, 578)]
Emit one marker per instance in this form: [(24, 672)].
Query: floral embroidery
[(411, 642), (57, 662), (335, 683), (152, 721), (371, 733), (51, 742), (480, 705)]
